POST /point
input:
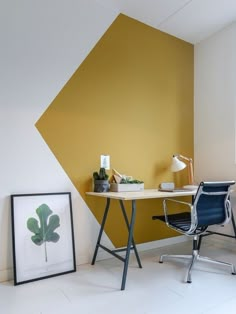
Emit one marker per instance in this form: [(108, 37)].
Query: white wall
[(42, 44), (214, 107), (215, 104)]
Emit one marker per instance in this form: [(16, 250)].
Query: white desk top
[(140, 195)]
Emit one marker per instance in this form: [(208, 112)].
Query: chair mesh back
[(211, 208)]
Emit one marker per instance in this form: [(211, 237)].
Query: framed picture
[(42, 236)]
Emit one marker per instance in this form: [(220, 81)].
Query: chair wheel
[(189, 281), (161, 262), (233, 273)]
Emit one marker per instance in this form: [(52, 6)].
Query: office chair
[(211, 206)]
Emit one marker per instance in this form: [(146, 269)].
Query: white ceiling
[(190, 20)]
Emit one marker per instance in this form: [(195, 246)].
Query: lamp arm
[(190, 172), (185, 158)]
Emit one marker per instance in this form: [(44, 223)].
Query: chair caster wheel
[(189, 281)]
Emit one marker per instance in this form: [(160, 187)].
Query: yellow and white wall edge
[(42, 45)]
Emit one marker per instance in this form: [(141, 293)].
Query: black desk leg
[(127, 224), (131, 229), (101, 231)]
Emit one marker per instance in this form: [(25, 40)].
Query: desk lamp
[(178, 165)]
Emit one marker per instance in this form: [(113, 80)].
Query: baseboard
[(85, 259), (6, 275)]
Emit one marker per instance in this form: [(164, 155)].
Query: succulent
[(130, 181), (101, 175)]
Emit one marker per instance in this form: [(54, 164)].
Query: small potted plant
[(101, 182)]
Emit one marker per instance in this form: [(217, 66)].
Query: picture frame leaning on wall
[(42, 236)]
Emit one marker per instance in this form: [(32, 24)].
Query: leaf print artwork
[(44, 229)]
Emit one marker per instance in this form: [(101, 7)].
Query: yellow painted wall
[(131, 98)]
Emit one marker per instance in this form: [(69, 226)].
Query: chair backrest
[(211, 204)]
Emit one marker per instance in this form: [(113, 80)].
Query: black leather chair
[(211, 206)]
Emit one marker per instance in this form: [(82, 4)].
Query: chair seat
[(181, 221)]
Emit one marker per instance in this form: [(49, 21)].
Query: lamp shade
[(177, 164)]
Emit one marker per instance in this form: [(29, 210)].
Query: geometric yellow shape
[(131, 98)]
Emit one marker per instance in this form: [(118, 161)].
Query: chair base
[(193, 258)]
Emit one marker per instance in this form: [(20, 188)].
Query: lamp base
[(190, 187)]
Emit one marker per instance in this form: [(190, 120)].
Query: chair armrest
[(166, 209), (228, 212), (175, 201)]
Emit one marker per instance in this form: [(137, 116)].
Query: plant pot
[(101, 186), (126, 187)]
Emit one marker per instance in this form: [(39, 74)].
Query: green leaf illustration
[(44, 228)]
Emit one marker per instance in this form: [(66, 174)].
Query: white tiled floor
[(156, 288)]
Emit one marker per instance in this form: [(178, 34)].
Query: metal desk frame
[(133, 197)]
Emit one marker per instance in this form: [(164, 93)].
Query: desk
[(133, 197)]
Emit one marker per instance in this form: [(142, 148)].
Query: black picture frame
[(42, 236)]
